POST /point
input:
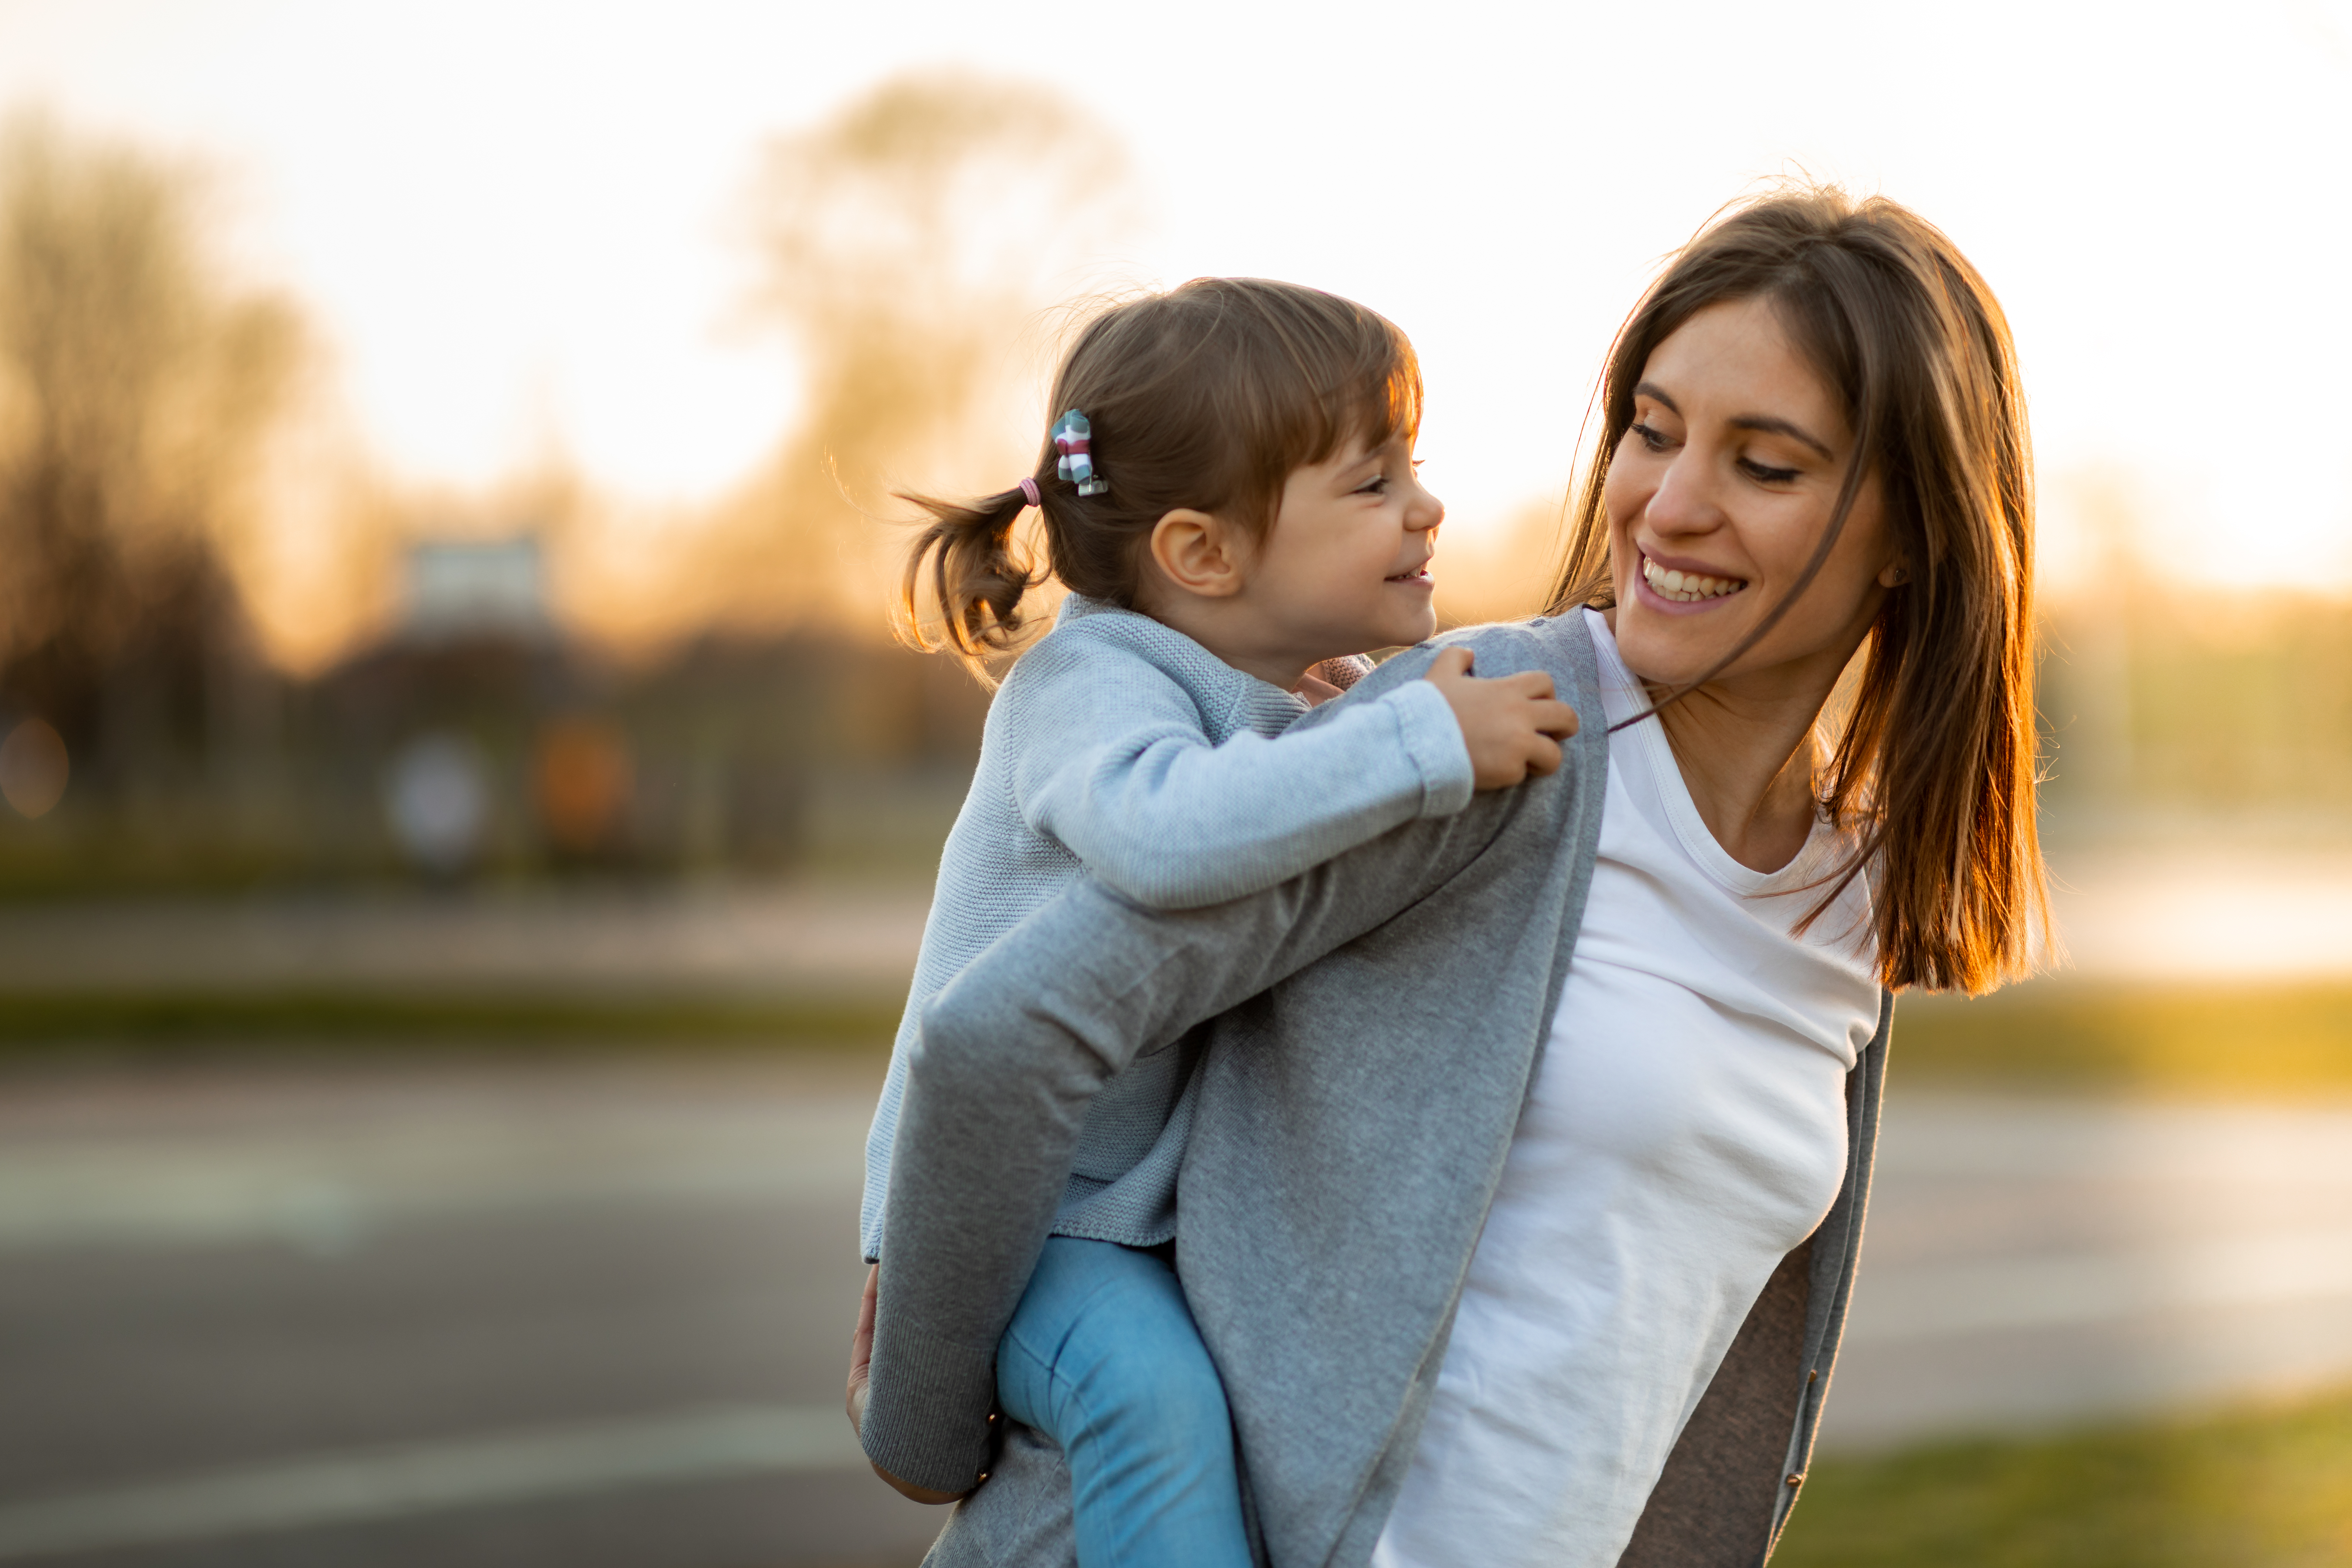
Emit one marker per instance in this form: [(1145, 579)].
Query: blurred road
[(2031, 1261), (585, 1313), (594, 1311)]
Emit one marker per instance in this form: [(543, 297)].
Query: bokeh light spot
[(438, 799), (34, 768), (584, 781)]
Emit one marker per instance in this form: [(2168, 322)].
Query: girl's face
[(1346, 566), (1717, 496)]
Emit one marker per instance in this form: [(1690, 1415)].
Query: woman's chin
[(1669, 655)]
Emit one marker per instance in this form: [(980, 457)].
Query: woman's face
[(1717, 496)]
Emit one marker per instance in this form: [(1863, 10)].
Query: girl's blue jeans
[(1103, 1357)]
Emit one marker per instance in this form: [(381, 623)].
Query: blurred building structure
[(458, 589), (506, 747)]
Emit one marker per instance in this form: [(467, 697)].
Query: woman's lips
[(1680, 587)]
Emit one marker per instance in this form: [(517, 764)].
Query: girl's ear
[(1197, 553)]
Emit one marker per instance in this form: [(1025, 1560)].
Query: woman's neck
[(1750, 770), (1744, 742)]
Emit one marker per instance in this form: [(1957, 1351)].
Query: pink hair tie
[(1029, 488)]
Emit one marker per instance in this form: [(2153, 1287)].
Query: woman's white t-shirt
[(1685, 1130)]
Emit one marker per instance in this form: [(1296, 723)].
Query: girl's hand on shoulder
[(1513, 724)]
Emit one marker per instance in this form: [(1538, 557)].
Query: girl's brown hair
[(1206, 397), (1935, 761)]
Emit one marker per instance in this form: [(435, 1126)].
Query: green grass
[(2269, 1040), (169, 1020), (2261, 1487), (2208, 1041)]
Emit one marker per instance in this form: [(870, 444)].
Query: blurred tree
[(135, 389), (908, 245)]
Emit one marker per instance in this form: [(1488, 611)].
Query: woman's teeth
[(1686, 587)]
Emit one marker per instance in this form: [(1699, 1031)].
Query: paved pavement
[(498, 1314), (594, 1311), (2028, 1262)]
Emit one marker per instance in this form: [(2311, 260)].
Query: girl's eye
[(1377, 485)]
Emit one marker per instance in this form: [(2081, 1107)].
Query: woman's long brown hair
[(1935, 767)]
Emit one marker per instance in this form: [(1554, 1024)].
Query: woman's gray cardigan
[(1373, 1030)]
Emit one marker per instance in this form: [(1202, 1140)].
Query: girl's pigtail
[(975, 574)]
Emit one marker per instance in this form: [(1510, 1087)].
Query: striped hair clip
[(1072, 436)]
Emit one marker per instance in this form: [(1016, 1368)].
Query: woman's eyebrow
[(1771, 423), (1777, 427)]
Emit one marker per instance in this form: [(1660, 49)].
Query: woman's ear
[(1198, 554)]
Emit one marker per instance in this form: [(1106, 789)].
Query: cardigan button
[(1797, 1477)]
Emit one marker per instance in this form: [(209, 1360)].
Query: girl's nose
[(1426, 513)]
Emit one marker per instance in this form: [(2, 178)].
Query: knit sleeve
[(1117, 765)]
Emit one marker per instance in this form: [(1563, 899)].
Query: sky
[(515, 222)]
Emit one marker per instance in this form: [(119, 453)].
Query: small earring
[(1898, 577)]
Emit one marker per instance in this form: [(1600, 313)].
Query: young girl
[(1230, 498)]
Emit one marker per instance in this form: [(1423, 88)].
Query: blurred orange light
[(584, 780), (33, 768)]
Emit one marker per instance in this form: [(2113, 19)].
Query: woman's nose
[(1684, 501)]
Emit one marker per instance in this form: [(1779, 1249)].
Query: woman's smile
[(1681, 587)]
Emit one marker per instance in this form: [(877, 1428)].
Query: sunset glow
[(518, 224)]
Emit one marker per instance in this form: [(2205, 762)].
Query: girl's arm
[(1115, 766)]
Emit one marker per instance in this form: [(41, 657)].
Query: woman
[(1528, 1155)]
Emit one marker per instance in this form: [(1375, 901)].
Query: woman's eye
[(1766, 475), (1652, 437)]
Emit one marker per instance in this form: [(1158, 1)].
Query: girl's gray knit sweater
[(1125, 748)]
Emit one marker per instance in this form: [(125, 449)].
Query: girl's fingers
[(1535, 683)]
